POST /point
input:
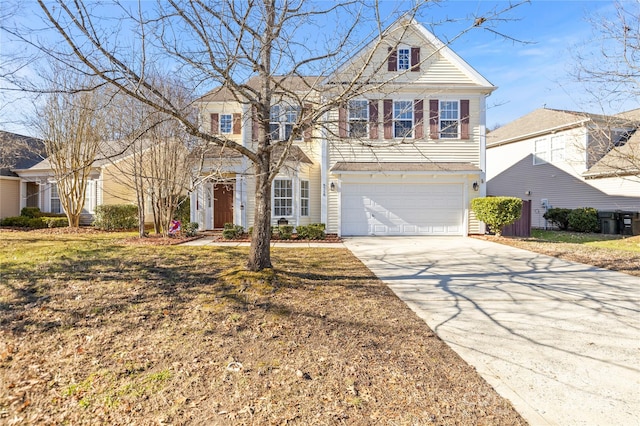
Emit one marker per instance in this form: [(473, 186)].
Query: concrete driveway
[(560, 340)]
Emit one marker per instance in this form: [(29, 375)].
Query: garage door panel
[(411, 209)]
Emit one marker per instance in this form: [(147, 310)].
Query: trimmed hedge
[(558, 217), (116, 217), (314, 231), (285, 231), (584, 219), (30, 212), (497, 212), (232, 231)]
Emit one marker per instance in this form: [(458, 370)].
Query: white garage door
[(402, 209)]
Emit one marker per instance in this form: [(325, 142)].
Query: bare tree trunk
[(260, 254)]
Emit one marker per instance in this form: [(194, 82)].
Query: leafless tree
[(72, 126), (243, 46)]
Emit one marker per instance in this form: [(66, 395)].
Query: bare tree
[(72, 128), (243, 46)]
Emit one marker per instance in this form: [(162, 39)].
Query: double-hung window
[(226, 123), (547, 150), (403, 119), (282, 119), (56, 206), (304, 198), (449, 119), (358, 118), (404, 59), (283, 197), (556, 150)]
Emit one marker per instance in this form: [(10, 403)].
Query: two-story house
[(403, 157), (558, 158)]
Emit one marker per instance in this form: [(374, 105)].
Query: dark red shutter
[(433, 118), (307, 130), (464, 122), (373, 119), (255, 124), (418, 107), (387, 110), (392, 64), (237, 123), (415, 59), (342, 121), (215, 123)]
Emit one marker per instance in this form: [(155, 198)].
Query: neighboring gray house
[(17, 152), (566, 159)]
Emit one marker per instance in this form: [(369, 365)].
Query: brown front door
[(222, 205)]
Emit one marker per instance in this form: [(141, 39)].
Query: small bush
[(558, 217), (497, 212), (116, 217), (190, 229), (285, 231), (55, 222), (584, 219), (30, 212), (314, 231), (23, 222), (232, 231)]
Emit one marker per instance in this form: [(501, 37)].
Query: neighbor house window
[(304, 198), (56, 207), (358, 118), (282, 197), (226, 123), (282, 119), (548, 150), (449, 119), (403, 119), (404, 59)]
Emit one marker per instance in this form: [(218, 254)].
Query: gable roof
[(543, 121), (26, 152), (620, 161), (288, 83), (401, 24)]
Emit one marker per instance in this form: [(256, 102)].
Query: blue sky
[(528, 76)]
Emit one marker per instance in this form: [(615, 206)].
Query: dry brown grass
[(93, 331)]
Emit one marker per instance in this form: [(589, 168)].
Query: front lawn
[(94, 330)]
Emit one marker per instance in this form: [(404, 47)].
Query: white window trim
[(230, 117), (307, 198), (273, 198), (283, 119), (394, 119), (364, 119), (441, 134), (54, 188), (408, 67)]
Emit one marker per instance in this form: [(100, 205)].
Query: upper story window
[(403, 119), (548, 150), (449, 119), (282, 119), (358, 118), (226, 123), (404, 59)]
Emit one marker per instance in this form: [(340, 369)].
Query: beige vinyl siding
[(9, 197), (222, 108), (116, 183)]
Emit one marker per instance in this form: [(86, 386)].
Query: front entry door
[(222, 205)]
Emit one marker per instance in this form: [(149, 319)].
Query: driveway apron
[(560, 340)]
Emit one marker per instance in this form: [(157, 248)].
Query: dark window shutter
[(464, 119), (307, 130), (415, 59), (237, 123), (342, 121), (433, 118), (215, 123), (255, 124), (418, 107), (373, 119), (392, 64), (388, 118)]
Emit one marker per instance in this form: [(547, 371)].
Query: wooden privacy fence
[(521, 227)]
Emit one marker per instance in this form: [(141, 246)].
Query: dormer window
[(404, 59)]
